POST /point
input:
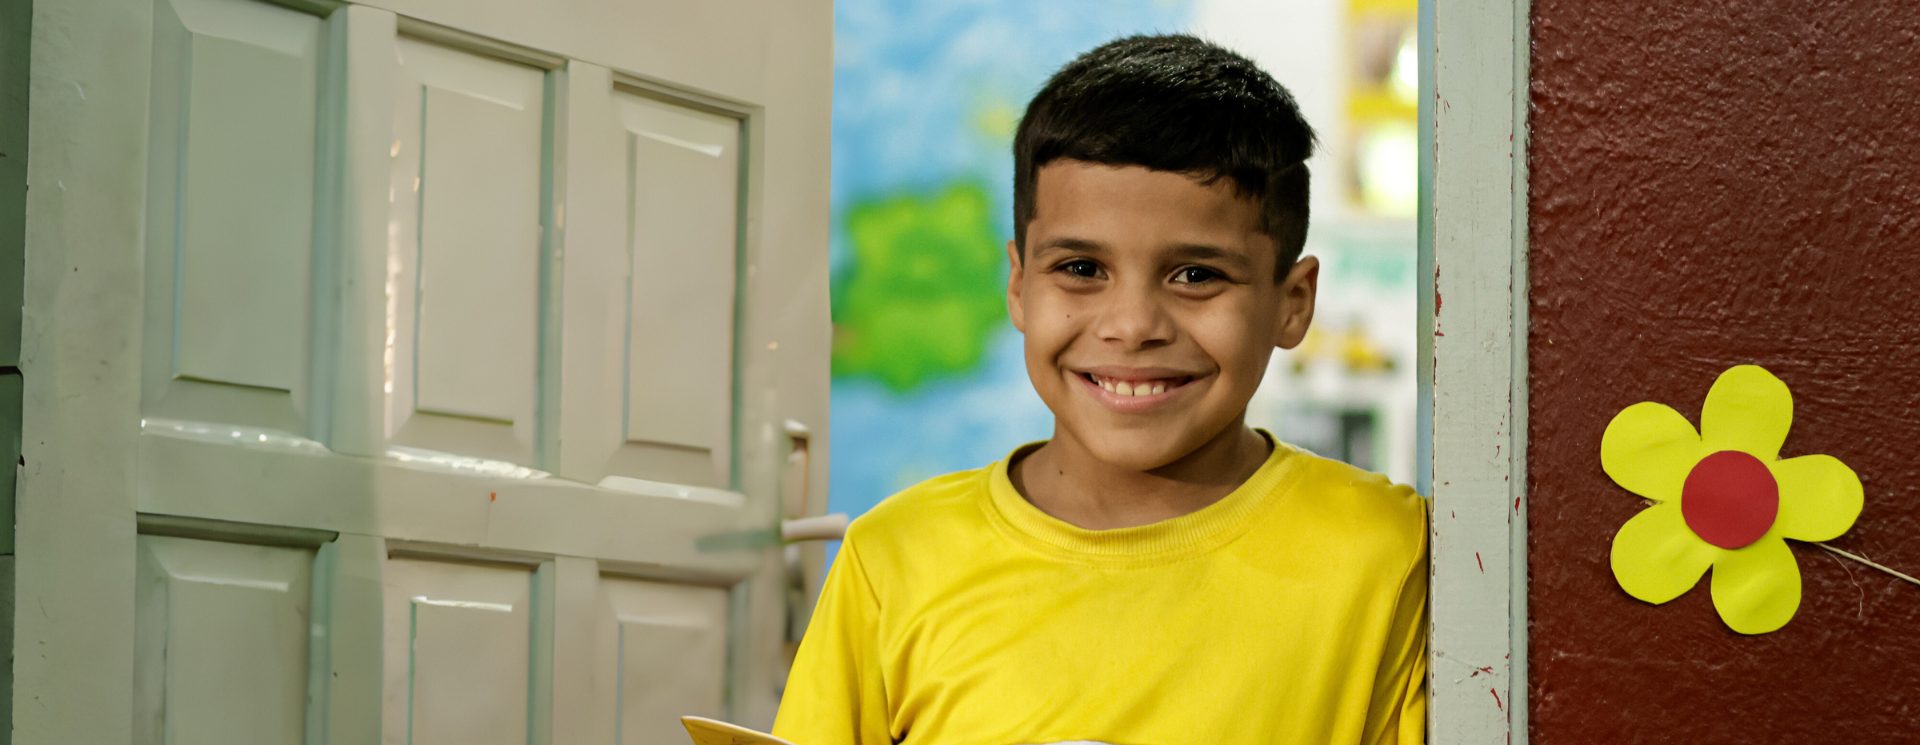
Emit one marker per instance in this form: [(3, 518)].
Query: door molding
[(1473, 244)]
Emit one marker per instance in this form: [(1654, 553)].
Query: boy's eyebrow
[(1204, 252), (1177, 251), (1070, 243)]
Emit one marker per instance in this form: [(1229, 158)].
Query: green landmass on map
[(924, 290)]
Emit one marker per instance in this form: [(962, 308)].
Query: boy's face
[(1150, 308)]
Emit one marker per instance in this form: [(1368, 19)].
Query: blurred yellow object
[(1382, 104), (1362, 354), (1384, 7), (1311, 348), (1351, 347)]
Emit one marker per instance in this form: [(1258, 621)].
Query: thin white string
[(1871, 563), (1864, 561)]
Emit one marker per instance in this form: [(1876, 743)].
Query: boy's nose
[(1135, 320)]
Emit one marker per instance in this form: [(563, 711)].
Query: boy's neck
[(1063, 479)]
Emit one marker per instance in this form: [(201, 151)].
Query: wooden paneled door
[(417, 371)]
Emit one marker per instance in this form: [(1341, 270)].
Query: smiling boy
[(1157, 573)]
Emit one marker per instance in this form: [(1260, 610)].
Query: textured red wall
[(1714, 183)]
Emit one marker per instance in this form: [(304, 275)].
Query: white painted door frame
[(1473, 244)]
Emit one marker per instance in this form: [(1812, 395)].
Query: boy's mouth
[(1131, 391), (1136, 387)]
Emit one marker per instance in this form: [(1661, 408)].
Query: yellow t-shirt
[(1293, 610)]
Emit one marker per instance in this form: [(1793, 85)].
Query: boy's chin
[(1140, 450)]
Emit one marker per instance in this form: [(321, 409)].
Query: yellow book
[(715, 732)]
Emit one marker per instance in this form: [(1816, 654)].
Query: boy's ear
[(1297, 293), (1015, 312)]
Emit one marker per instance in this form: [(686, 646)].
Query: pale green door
[(422, 371)]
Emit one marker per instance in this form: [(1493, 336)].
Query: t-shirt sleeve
[(1400, 691), (835, 693)]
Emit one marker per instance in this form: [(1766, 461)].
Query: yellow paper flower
[(1724, 499)]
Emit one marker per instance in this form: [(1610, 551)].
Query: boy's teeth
[(1124, 388)]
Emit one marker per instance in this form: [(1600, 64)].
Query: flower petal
[(1757, 588), (1748, 409), (1648, 449), (1820, 497), (1655, 558)]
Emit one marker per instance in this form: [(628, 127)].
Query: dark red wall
[(1715, 183)]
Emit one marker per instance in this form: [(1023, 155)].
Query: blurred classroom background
[(927, 373)]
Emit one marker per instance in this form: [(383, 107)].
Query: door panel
[(231, 238), (221, 655), (654, 241), (458, 659), (663, 653), (683, 197), (463, 297)]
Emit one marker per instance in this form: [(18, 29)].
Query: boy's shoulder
[(915, 542), (1356, 488), (1367, 505), (944, 503)]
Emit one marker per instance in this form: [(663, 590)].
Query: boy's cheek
[(1050, 312)]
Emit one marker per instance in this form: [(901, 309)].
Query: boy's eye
[(1195, 275), (1081, 268)]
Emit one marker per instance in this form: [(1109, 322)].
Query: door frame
[(16, 42), (80, 356), (1473, 324)]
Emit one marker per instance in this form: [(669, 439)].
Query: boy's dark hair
[(1173, 103)]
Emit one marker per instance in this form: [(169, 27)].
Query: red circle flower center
[(1730, 499)]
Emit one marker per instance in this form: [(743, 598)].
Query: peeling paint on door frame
[(1473, 243)]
